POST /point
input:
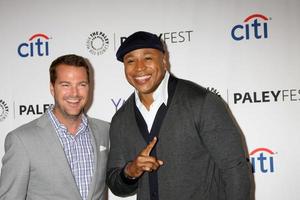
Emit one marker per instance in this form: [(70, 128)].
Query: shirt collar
[(59, 126), (160, 94)]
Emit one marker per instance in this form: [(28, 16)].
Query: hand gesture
[(143, 162)]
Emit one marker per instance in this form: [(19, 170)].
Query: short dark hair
[(70, 59)]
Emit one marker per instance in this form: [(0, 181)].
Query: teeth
[(73, 100), (140, 78)]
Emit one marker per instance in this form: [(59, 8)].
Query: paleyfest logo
[(97, 43), (253, 26), (37, 45), (3, 110), (31, 109), (267, 96), (171, 37)]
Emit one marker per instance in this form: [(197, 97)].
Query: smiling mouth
[(142, 79), (73, 101)]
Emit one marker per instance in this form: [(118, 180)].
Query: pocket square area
[(102, 148)]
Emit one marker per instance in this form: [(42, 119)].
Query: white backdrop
[(247, 51)]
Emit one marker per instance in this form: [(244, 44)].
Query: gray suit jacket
[(35, 167)]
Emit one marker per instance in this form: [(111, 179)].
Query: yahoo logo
[(36, 46), (262, 160), (255, 26)]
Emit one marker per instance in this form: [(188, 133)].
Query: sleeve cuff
[(127, 180)]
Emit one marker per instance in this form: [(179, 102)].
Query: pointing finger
[(149, 147)]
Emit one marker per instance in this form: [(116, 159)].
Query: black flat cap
[(139, 40)]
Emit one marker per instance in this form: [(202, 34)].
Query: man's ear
[(52, 89), (165, 63)]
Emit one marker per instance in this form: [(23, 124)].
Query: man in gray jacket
[(172, 139), (62, 154)]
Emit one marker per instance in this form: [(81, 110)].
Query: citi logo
[(262, 160), (254, 26), (37, 45)]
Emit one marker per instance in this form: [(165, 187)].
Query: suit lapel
[(51, 141), (96, 159)]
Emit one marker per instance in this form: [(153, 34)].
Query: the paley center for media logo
[(97, 43), (262, 160), (37, 45), (3, 110), (254, 26)]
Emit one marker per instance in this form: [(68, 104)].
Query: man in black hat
[(172, 139)]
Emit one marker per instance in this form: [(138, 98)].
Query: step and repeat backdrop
[(248, 52)]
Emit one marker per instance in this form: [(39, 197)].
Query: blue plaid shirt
[(78, 150)]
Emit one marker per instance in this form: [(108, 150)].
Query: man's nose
[(140, 65), (74, 91)]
